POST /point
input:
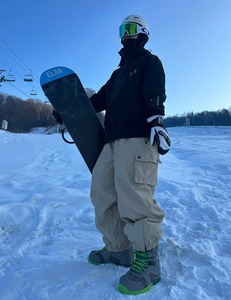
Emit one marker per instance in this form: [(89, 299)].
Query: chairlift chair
[(2, 79), (28, 77), (10, 77), (46, 99), (33, 92)]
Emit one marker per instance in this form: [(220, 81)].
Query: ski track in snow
[(47, 220)]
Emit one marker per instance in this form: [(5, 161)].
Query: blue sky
[(191, 37)]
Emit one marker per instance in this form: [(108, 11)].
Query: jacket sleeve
[(154, 87), (98, 100)]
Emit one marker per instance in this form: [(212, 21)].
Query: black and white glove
[(159, 134), (57, 117)]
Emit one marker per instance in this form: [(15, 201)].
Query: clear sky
[(191, 37)]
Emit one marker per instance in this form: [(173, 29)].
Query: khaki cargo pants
[(123, 184)]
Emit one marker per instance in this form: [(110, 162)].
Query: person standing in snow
[(125, 175)]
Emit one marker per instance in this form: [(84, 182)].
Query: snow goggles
[(131, 29)]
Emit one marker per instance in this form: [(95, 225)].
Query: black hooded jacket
[(135, 92)]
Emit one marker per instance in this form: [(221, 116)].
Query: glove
[(159, 134), (57, 117)]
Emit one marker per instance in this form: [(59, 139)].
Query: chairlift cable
[(35, 76), (10, 69), (31, 84), (15, 55), (15, 87), (13, 59)]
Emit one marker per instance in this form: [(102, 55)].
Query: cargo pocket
[(145, 169)]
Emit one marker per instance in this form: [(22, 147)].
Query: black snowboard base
[(65, 92)]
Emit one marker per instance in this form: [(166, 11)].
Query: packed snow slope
[(47, 220)]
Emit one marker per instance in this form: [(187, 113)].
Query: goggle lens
[(129, 28)]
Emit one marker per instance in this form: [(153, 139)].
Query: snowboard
[(66, 93)]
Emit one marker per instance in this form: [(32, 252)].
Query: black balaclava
[(139, 42), (131, 47)]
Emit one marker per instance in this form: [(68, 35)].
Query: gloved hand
[(57, 117), (159, 134)]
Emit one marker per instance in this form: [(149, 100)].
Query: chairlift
[(28, 77), (46, 100), (10, 77), (2, 78), (33, 92)]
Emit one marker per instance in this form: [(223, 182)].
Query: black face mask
[(130, 43), (139, 42)]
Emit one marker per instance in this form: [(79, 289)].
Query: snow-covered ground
[(47, 220)]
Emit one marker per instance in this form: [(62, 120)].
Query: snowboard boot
[(144, 273), (104, 256)]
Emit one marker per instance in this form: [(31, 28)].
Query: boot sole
[(124, 290), (95, 262)]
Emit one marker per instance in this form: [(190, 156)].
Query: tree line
[(24, 115), (220, 117)]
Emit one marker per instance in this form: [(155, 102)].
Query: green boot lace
[(142, 261)]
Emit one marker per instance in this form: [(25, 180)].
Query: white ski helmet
[(143, 26)]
